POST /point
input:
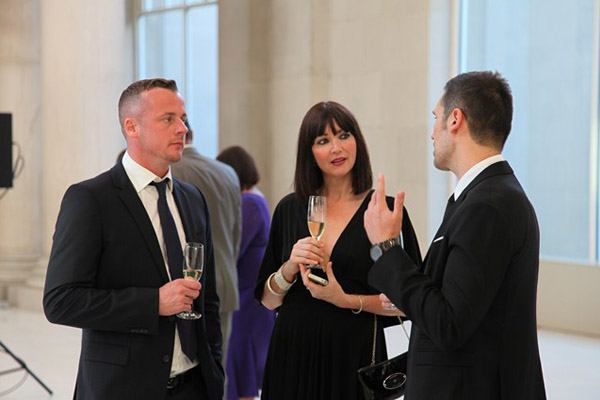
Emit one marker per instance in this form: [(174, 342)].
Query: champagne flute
[(315, 216), (193, 265)]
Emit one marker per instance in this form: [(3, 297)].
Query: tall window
[(548, 51), (177, 39)]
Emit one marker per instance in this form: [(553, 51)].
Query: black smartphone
[(318, 276)]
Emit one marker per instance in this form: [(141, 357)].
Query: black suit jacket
[(104, 273), (473, 303)]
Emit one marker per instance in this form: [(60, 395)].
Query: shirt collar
[(140, 177), (472, 173)]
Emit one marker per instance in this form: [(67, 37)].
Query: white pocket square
[(438, 239)]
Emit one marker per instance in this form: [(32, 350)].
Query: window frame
[(185, 8)]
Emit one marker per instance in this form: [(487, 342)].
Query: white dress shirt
[(140, 177), (472, 173)]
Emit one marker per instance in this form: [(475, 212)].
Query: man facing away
[(220, 184), (115, 267), (473, 303)]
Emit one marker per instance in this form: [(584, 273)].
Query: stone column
[(20, 207), (243, 80), (273, 64), (86, 61)]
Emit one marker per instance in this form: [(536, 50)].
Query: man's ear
[(130, 127), (456, 119)]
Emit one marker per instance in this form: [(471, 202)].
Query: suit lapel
[(133, 203), (438, 238)]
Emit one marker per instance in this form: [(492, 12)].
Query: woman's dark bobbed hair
[(308, 178)]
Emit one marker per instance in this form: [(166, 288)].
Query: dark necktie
[(449, 208), (175, 259), (170, 236)]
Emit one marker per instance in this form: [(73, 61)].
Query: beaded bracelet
[(361, 305), (281, 281)]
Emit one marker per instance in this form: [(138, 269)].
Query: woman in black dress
[(323, 334)]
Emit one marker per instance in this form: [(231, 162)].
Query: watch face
[(376, 252)]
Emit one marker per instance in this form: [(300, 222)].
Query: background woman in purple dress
[(252, 324)]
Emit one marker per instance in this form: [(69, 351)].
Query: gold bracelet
[(361, 305), (270, 288)]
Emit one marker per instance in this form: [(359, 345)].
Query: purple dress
[(252, 323)]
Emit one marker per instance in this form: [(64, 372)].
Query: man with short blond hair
[(115, 269)]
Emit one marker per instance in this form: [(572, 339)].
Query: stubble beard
[(439, 162)]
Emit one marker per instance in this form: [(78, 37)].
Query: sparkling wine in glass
[(315, 216), (193, 265)]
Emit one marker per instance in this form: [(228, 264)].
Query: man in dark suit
[(473, 302), (115, 268)]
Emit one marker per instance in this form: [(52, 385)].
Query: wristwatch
[(378, 249)]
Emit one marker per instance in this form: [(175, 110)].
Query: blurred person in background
[(252, 323), (220, 186)]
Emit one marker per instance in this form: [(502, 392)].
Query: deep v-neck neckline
[(350, 222)]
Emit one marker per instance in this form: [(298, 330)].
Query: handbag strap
[(374, 338), (375, 335)]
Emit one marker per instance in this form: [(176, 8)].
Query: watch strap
[(378, 249), (389, 243)]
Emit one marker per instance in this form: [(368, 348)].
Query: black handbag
[(384, 380)]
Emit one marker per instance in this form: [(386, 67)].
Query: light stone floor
[(571, 363)]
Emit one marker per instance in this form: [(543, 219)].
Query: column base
[(25, 297), (22, 282)]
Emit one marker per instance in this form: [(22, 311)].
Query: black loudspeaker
[(6, 159)]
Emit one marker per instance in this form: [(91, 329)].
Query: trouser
[(187, 386)]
